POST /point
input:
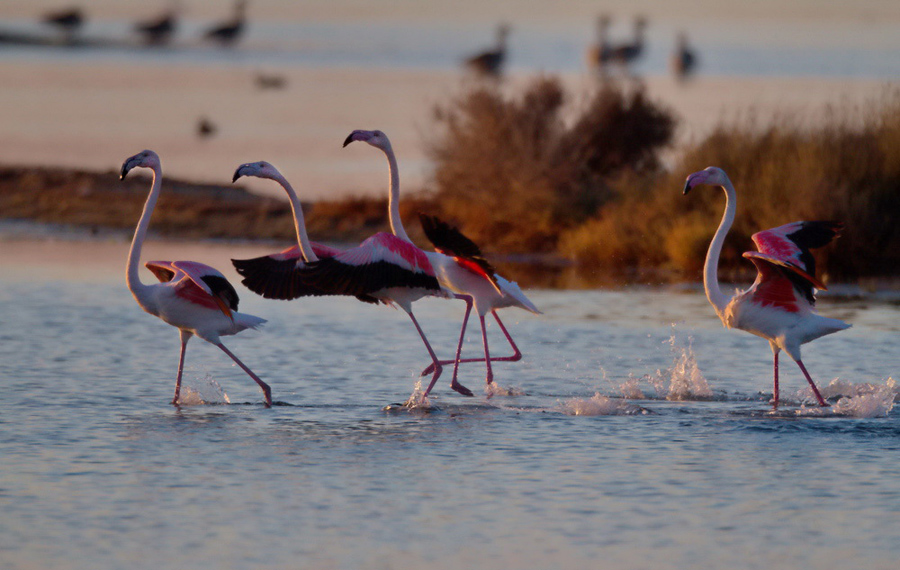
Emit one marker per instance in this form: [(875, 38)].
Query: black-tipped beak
[(687, 187), (349, 138), (125, 171), (237, 174)]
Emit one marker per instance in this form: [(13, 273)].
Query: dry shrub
[(515, 173), (845, 168)]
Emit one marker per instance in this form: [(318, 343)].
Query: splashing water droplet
[(203, 391)]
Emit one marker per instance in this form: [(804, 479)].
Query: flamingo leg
[(813, 384), (516, 356), (265, 387), (454, 383), (185, 337), (487, 353), (436, 363), (775, 398)]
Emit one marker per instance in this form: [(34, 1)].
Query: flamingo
[(192, 297), (489, 63), (229, 32), (159, 30), (459, 266), (779, 306), (68, 20), (682, 61), (382, 269), (625, 54), (598, 55)]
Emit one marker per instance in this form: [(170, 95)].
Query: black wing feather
[(450, 240)]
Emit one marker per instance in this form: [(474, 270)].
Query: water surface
[(99, 471)]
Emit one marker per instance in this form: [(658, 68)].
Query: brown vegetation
[(845, 168), (517, 171)]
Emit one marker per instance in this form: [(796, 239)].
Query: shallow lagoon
[(99, 471)]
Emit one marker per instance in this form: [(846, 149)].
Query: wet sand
[(93, 116)]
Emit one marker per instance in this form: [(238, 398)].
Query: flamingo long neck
[(299, 222), (711, 268), (394, 197), (134, 255)]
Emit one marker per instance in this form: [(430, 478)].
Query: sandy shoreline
[(92, 116)]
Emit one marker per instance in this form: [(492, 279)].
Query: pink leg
[(516, 356), (775, 400), (813, 384), (265, 387), (185, 337), (454, 383), (487, 352), (437, 365)]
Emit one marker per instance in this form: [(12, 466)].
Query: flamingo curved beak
[(237, 174), (126, 168), (687, 186), (356, 135)]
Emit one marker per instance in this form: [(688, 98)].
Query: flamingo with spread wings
[(193, 297), (382, 269), (459, 265), (780, 305)]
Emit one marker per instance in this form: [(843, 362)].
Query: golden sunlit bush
[(515, 171), (845, 168)]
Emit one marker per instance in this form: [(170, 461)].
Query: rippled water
[(639, 436)]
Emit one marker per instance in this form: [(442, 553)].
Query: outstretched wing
[(450, 241), (277, 276), (777, 285), (787, 249), (163, 270), (212, 282), (382, 261), (198, 283)]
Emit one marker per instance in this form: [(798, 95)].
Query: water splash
[(865, 400), (600, 405), (203, 391), (681, 381), (494, 389), (686, 382), (418, 400)]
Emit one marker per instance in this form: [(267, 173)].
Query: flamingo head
[(375, 138), (145, 158), (712, 175), (261, 169)]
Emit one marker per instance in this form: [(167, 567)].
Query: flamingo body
[(490, 63), (229, 32), (382, 269), (780, 305), (160, 30), (193, 297), (458, 265)]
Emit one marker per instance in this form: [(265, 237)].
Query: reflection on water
[(639, 432)]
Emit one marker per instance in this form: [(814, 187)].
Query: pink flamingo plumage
[(459, 266), (779, 306), (382, 269), (193, 297)]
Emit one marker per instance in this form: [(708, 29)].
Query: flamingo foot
[(457, 387), (267, 393)]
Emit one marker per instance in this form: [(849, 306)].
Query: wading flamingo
[(382, 269), (463, 270), (599, 54), (229, 32), (489, 63), (779, 306), (191, 296)]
